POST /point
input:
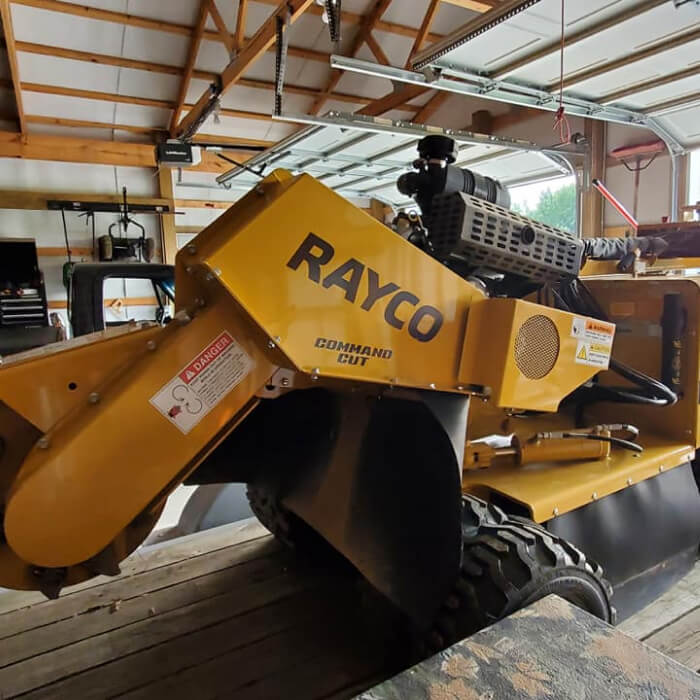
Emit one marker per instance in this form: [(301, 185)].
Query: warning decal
[(203, 382), (592, 330), (593, 354)]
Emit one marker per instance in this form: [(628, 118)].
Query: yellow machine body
[(292, 289)]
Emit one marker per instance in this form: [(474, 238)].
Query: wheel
[(287, 527), (104, 244), (509, 563)]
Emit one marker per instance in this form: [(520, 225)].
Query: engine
[(468, 226)]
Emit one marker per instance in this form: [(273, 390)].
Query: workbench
[(229, 613)]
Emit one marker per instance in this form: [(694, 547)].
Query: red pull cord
[(560, 120)]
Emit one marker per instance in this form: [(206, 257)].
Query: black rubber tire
[(507, 564), (287, 527)]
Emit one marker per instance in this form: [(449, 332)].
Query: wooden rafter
[(204, 8), (241, 18), (430, 13), (393, 100), (475, 5), (431, 106), (64, 7), (166, 69), (439, 98), (226, 36), (9, 34), (363, 35), (263, 39)]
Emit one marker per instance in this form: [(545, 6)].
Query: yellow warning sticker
[(592, 354)]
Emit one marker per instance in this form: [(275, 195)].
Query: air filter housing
[(487, 235)]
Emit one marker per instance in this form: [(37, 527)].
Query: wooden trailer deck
[(227, 613)]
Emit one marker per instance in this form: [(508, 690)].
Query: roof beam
[(577, 37), (393, 100), (430, 107), (241, 18), (184, 30), (224, 34), (204, 7), (6, 14), (363, 35), (356, 18), (474, 5), (650, 84), (79, 150), (433, 7), (263, 39), (653, 50), (104, 59)]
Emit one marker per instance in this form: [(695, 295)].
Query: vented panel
[(537, 347), (486, 235)]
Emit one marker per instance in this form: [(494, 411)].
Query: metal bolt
[(191, 248), (315, 370), (276, 339), (432, 385), (182, 317), (314, 378), (189, 269), (460, 388), (200, 302), (259, 189), (151, 345), (594, 495), (270, 345), (629, 481), (209, 277), (43, 442), (217, 271), (94, 397), (555, 511), (284, 381), (661, 468)]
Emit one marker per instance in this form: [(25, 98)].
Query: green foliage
[(557, 208)]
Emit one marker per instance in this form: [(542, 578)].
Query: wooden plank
[(60, 251), (79, 150), (474, 5), (671, 606), (44, 611), (308, 627), (10, 48), (549, 649), (202, 204), (680, 640), (87, 124), (36, 200), (245, 608), (124, 301), (593, 205), (128, 602)]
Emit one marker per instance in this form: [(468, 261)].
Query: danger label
[(203, 382), (592, 330), (592, 354)]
